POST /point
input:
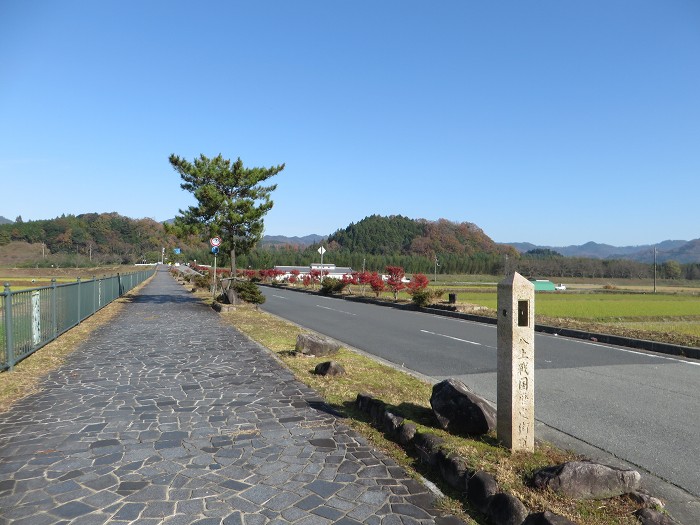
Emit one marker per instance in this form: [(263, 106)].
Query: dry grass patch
[(410, 397)]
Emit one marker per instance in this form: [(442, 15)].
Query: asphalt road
[(642, 408)]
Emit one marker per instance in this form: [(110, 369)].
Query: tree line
[(97, 238), (417, 246), (477, 264)]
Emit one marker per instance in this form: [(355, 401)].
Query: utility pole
[(436, 267), (654, 269)]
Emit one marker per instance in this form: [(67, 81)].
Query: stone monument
[(515, 424)]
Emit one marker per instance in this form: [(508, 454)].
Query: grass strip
[(410, 396)]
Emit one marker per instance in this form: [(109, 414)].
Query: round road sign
[(215, 241)]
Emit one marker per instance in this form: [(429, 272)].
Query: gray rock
[(392, 423), (329, 368), (315, 344), (453, 469), (547, 518), (407, 432), (506, 509), (461, 411), (480, 489), (654, 517), (428, 446), (372, 406), (647, 500), (587, 480), (231, 296), (362, 401)]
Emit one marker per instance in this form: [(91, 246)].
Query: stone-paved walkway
[(166, 415)]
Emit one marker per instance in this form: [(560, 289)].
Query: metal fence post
[(10, 351), (54, 325), (79, 316)]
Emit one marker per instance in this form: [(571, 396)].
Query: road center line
[(450, 337), (334, 310), (279, 296)]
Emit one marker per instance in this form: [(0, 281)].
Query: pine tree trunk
[(231, 291)]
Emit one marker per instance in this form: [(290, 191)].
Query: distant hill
[(97, 237), (398, 235), (281, 240), (677, 250), (687, 252), (3, 220)]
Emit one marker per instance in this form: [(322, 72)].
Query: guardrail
[(29, 319)]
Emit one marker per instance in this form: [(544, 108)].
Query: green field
[(625, 307), (601, 307)]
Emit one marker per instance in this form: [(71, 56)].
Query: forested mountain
[(101, 238), (375, 242), (398, 235), (3, 220), (281, 240)]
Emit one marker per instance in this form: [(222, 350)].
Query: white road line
[(676, 359), (279, 296), (450, 337), (334, 310)]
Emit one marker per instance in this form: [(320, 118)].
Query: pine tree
[(231, 201)]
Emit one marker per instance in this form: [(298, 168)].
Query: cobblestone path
[(166, 415)]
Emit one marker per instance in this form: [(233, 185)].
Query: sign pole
[(215, 242), (213, 284), (321, 250)]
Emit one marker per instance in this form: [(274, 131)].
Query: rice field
[(667, 317), (601, 307)]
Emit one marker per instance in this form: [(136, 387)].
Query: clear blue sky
[(553, 122)]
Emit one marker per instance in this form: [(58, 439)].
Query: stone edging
[(481, 488)]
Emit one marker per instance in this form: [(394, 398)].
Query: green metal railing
[(29, 319)]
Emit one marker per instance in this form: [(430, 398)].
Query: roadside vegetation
[(410, 397)]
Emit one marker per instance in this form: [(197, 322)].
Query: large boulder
[(461, 411), (587, 480), (315, 344)]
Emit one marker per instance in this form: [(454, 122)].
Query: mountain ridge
[(468, 234), (678, 250)]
